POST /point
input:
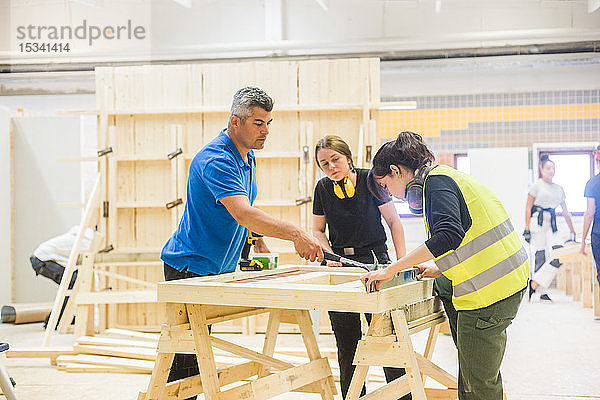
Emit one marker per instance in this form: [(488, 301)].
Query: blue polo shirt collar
[(238, 157)]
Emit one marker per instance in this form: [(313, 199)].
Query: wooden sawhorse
[(187, 332), (287, 294), (387, 343)]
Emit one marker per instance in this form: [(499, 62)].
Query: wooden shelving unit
[(153, 120)]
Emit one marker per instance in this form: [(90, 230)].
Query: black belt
[(358, 251), (541, 212)]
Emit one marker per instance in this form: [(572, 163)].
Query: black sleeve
[(447, 214), (317, 202)]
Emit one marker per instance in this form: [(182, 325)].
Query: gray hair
[(248, 97)]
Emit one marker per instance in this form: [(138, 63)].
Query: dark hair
[(408, 150), (334, 143), (544, 159)]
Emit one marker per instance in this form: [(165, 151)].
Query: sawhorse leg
[(176, 315), (395, 350), (312, 348)]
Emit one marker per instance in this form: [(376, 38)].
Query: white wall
[(85, 144), (5, 205), (490, 75), (41, 183), (234, 28)]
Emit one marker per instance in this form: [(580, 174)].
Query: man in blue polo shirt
[(218, 212)]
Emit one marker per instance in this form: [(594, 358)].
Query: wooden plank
[(381, 354), (412, 369), (39, 352), (279, 383), (568, 267), (153, 337), (328, 388), (270, 339), (95, 369), (291, 296), (576, 271), (430, 369), (392, 391), (126, 278), (84, 317), (191, 386), (92, 205), (111, 342), (443, 394), (139, 353), (358, 380), (204, 354), (182, 341), (176, 314), (116, 297), (125, 363)]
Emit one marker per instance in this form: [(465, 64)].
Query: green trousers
[(480, 337)]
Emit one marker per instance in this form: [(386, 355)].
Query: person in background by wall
[(543, 198), (342, 202), (50, 257), (481, 265), (592, 192)]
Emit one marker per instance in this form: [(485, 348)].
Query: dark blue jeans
[(596, 253)]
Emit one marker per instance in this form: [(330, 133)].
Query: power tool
[(247, 264)]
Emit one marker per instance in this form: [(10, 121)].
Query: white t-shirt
[(547, 195), (50, 249)]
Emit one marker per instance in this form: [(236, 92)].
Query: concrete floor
[(553, 353)]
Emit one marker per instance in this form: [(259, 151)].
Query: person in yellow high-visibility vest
[(481, 267)]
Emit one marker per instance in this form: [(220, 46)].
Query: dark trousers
[(184, 365), (596, 252), (54, 271), (347, 330), (480, 337)]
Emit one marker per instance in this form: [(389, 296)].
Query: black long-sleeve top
[(447, 214)]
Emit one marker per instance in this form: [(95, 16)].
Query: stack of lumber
[(119, 351), (125, 351)]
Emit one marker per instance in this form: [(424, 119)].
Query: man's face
[(254, 130)]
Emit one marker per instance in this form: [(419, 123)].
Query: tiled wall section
[(457, 123)]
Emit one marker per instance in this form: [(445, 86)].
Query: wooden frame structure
[(287, 294), (577, 276), (153, 120)]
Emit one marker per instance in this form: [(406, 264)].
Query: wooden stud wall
[(147, 112)]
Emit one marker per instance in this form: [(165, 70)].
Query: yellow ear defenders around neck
[(343, 189)]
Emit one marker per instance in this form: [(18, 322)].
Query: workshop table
[(287, 294)]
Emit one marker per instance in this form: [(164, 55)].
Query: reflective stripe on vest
[(490, 263), (474, 246), (491, 274)]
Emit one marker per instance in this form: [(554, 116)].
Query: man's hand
[(428, 271), (380, 276), (582, 248), (307, 246), (260, 246), (527, 235)]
